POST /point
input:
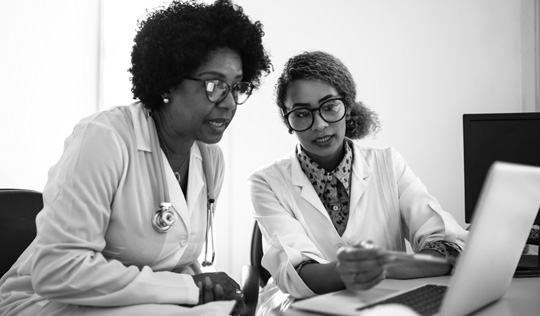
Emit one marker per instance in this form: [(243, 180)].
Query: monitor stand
[(528, 266)]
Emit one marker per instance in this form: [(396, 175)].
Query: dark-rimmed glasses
[(217, 90), (331, 111)]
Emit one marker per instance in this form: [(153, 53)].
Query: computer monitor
[(509, 137)]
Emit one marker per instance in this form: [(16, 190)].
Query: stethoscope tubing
[(164, 189)]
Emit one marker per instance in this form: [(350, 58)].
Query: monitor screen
[(509, 137)]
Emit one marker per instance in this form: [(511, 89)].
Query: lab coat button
[(183, 242), (335, 207)]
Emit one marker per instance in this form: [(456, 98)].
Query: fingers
[(211, 290), (358, 260), (240, 306), (219, 294), (207, 291), (361, 266), (364, 282), (358, 253)]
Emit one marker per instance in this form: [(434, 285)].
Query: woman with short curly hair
[(129, 206), (315, 206), (174, 41)]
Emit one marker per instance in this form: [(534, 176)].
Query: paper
[(343, 302)]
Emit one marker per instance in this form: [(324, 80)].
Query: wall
[(420, 64), (49, 66)]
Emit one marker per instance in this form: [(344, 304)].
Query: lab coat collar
[(360, 169), (144, 136), (139, 116), (196, 176), (195, 185), (361, 172)]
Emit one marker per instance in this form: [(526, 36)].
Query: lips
[(218, 124), (323, 139)]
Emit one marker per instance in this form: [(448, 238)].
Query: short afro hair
[(323, 67), (175, 40)]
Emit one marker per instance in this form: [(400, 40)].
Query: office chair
[(18, 210), (254, 276)]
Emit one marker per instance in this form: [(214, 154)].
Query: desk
[(521, 299)]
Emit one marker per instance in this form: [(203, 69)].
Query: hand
[(411, 269), (218, 286), (361, 267)]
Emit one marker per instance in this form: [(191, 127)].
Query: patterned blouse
[(333, 188)]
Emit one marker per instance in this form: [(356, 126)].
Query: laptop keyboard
[(425, 300)]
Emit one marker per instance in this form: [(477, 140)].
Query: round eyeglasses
[(331, 111), (217, 90)]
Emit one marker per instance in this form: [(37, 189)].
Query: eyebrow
[(321, 100), (217, 74)]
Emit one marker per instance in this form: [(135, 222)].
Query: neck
[(329, 162), (176, 147), (176, 144)]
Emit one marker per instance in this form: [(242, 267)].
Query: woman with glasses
[(331, 210), (129, 206)]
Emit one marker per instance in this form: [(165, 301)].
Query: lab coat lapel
[(360, 171), (139, 117), (175, 193), (308, 193), (145, 131), (196, 177)]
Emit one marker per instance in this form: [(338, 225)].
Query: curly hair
[(323, 67), (175, 40)]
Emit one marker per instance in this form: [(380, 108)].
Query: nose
[(318, 122), (228, 102)]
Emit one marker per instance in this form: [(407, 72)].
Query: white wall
[(48, 81), (420, 64)]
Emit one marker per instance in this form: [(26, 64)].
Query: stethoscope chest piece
[(164, 218)]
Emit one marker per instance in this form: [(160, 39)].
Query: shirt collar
[(317, 175)]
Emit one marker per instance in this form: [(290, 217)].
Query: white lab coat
[(96, 245), (388, 203)]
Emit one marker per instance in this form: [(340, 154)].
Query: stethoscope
[(165, 218)]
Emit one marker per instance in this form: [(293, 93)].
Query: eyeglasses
[(217, 90), (331, 111)]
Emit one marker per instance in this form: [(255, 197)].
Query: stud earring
[(165, 100)]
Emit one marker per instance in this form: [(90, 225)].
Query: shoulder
[(213, 151), (281, 166), (370, 153), (115, 120)]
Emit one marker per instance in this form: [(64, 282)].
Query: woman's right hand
[(361, 268), (208, 291), (218, 286)]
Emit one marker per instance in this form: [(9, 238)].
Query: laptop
[(501, 223)]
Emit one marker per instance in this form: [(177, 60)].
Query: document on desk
[(342, 302)]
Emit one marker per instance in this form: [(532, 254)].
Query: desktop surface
[(521, 299)]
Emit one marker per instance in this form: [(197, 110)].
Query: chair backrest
[(257, 254), (18, 210)]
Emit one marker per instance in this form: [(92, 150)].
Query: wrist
[(303, 264)]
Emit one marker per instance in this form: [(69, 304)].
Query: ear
[(166, 97), (290, 130), (348, 113)]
